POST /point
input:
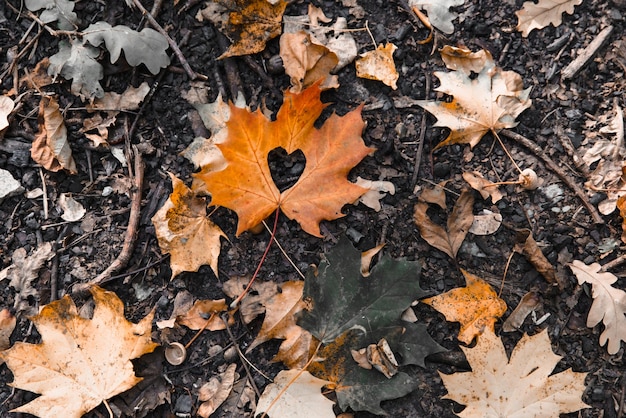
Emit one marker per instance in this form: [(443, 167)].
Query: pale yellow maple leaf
[(80, 362), (491, 101), (295, 393), (185, 232), (519, 387), (543, 13), (609, 303)]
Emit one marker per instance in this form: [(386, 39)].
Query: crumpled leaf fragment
[(543, 13), (214, 392), (147, 47), (61, 11), (439, 13), (6, 107), (462, 59), (72, 209), (185, 232), (306, 61), (50, 147), (204, 314), (7, 324), (519, 387), (77, 62), (476, 306), (609, 303), (526, 245), (249, 24), (379, 65), (491, 101), (254, 302), (483, 186), (130, 99), (80, 362), (377, 190), (529, 302)]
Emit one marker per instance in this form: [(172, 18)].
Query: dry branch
[(581, 60)]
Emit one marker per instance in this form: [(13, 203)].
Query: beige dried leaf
[(462, 59), (51, 148), (213, 393), (483, 186), (529, 302), (128, 100), (609, 303), (204, 314), (80, 362), (377, 190), (6, 107), (439, 13), (379, 65), (519, 387), (254, 302), (543, 13), (7, 324), (307, 62)]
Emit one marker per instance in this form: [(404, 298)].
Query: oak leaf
[(50, 147), (476, 306), (80, 362), (378, 65), (246, 186), (609, 303), (295, 394), (519, 387), (185, 232), (439, 14), (491, 101), (76, 61), (448, 240), (61, 11), (248, 23), (543, 13)]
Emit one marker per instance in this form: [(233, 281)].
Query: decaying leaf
[(621, 205), (130, 99), (366, 259), (439, 13), (246, 186), (341, 299), (254, 302), (50, 147), (519, 387), (462, 59), (213, 393), (526, 245), (60, 11), (22, 272), (72, 210), (609, 303), (185, 232), (249, 24), (80, 362), (543, 13), (295, 394), (459, 222), (476, 306), (146, 47), (486, 223), (77, 62), (491, 101), (376, 191), (379, 65), (307, 62), (483, 186), (7, 324), (6, 107), (529, 302), (204, 314)]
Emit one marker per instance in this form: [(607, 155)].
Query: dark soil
[(562, 227)]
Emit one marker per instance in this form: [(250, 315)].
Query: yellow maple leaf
[(476, 307), (246, 186), (378, 65), (491, 101), (80, 362), (185, 232)]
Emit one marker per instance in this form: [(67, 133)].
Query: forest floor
[(562, 110)]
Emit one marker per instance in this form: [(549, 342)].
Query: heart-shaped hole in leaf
[(285, 168)]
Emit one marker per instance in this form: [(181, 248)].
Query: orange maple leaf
[(476, 307), (246, 186)]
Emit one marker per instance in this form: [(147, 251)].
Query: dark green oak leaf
[(342, 299)]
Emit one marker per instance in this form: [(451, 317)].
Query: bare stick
[(520, 139), (131, 232), (422, 138), (581, 60), (181, 58)]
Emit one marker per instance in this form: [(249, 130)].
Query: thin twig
[(422, 137), (131, 231), (535, 149), (244, 360), (181, 58)]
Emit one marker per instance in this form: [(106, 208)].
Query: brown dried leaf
[(462, 59), (483, 186), (128, 100), (7, 324), (213, 393), (204, 314), (378, 65), (307, 62), (254, 302), (436, 195), (459, 222), (50, 147), (527, 246), (529, 302)]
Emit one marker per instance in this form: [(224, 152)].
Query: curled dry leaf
[(366, 259), (526, 245), (204, 314), (254, 302), (448, 240), (379, 65), (476, 306), (80, 362), (213, 393), (377, 190), (51, 148), (307, 62), (116, 102), (436, 195), (185, 232), (529, 302), (609, 303), (520, 387), (72, 210), (543, 13), (483, 186), (462, 59)]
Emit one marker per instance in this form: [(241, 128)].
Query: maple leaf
[(491, 101), (80, 362), (378, 65), (246, 186), (185, 232), (248, 23), (521, 387), (609, 303), (50, 147), (341, 299), (543, 13), (459, 222), (476, 306), (295, 393)]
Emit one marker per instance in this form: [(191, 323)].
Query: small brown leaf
[(483, 186), (50, 147), (204, 314), (527, 246), (307, 62), (378, 65), (216, 391), (7, 324), (529, 302)]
